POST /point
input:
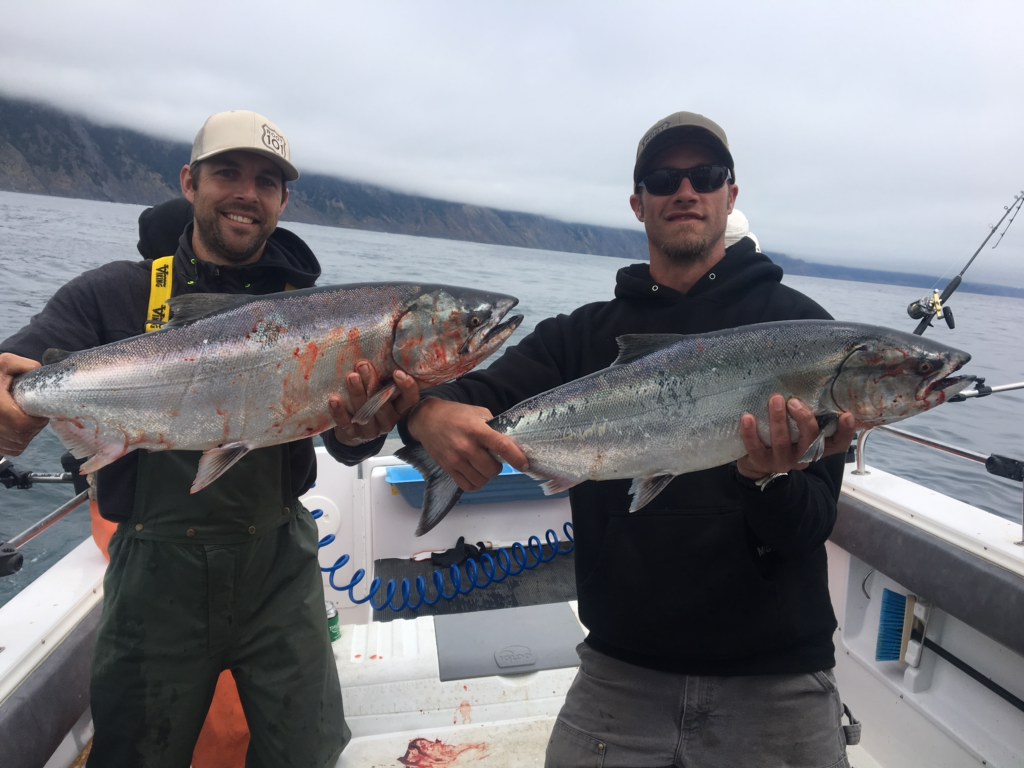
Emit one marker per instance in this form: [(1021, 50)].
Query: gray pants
[(617, 715)]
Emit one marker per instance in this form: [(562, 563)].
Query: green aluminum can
[(333, 624)]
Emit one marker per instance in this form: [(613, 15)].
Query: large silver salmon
[(671, 404), (233, 373)]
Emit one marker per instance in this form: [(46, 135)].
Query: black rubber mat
[(550, 582)]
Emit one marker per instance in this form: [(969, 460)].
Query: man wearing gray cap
[(227, 578), (709, 620)]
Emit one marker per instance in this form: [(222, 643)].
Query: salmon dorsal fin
[(190, 307), (636, 345), (54, 355)]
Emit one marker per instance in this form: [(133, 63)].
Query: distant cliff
[(49, 152), (46, 151)]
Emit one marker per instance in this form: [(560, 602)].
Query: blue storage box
[(511, 485)]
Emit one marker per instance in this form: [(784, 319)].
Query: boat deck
[(404, 711)]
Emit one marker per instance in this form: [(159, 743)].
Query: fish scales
[(235, 373), (672, 404), (674, 393)]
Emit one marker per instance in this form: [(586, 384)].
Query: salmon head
[(891, 376), (447, 331)]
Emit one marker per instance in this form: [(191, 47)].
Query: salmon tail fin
[(441, 493)]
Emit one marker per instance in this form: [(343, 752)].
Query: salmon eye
[(475, 321), (925, 367)]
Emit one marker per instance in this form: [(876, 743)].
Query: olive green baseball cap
[(680, 128)]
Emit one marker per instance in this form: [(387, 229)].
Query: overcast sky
[(865, 133)]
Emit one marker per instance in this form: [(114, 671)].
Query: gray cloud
[(869, 133)]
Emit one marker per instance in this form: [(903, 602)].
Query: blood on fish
[(355, 341), (307, 360)]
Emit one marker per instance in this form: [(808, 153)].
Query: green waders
[(226, 578)]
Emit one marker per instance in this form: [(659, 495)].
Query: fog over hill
[(47, 151)]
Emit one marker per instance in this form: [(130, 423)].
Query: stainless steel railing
[(1001, 466)]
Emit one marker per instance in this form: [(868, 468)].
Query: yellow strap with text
[(159, 293)]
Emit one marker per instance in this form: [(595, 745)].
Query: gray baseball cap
[(245, 131), (679, 128)]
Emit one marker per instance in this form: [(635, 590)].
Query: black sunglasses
[(703, 178)]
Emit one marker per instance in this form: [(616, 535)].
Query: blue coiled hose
[(492, 569)]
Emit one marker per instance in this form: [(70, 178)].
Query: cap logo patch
[(274, 141), (663, 125)]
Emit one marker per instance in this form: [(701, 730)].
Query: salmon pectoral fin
[(374, 404), (85, 441), (215, 462), (828, 426), (644, 489), (553, 485)]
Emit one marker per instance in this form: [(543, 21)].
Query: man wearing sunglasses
[(708, 614)]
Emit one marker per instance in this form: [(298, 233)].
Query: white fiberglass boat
[(461, 687)]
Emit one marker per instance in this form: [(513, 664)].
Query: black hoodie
[(711, 577)]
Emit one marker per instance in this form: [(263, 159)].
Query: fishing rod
[(11, 559), (934, 306), (982, 390)]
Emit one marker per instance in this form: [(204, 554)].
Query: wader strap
[(851, 732), (159, 292), (161, 282)]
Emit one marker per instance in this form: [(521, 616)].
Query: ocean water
[(45, 241)]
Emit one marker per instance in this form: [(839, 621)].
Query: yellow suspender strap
[(159, 293)]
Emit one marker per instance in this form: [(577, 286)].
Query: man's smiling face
[(238, 199)]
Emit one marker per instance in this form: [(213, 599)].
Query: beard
[(685, 250), (211, 230)]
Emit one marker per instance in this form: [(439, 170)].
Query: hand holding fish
[(784, 455), (362, 384), (459, 438), (17, 428)]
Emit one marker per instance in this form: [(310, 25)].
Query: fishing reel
[(12, 477), (931, 306)]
